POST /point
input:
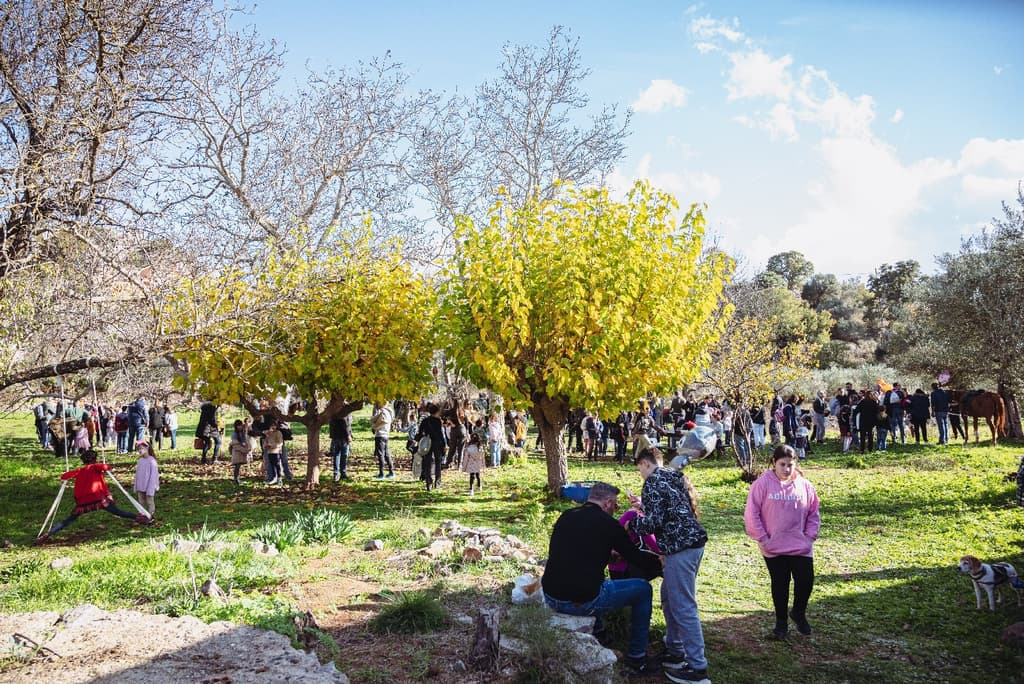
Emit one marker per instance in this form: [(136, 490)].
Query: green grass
[(888, 603)]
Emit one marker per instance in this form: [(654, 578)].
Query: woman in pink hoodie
[(782, 517)]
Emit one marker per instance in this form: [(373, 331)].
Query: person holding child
[(473, 461), (147, 477), (782, 516), (91, 494)]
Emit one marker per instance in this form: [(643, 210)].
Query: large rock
[(125, 646)]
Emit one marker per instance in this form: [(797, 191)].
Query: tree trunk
[(550, 416), (1013, 424), (484, 654), (313, 456)]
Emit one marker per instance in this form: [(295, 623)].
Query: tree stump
[(484, 654)]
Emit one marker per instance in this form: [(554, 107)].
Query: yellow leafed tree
[(333, 330), (582, 300)]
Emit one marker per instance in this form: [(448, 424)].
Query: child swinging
[(91, 494)]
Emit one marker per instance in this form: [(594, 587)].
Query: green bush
[(410, 612), (280, 535), (324, 525)]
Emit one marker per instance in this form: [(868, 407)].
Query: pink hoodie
[(782, 517)]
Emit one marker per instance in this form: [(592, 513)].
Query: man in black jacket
[(340, 432), (574, 580)]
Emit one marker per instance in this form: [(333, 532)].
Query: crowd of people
[(77, 426)]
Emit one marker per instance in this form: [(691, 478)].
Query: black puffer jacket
[(668, 513)]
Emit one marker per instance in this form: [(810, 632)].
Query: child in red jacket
[(91, 494)]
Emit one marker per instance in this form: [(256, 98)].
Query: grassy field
[(888, 604)]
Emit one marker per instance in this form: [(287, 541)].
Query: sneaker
[(389, 476), (642, 665), (802, 625), (781, 629), (673, 662), (686, 675), (275, 481), (379, 477), (43, 538), (471, 492), (344, 476)]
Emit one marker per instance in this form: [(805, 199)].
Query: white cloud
[(861, 207), (1003, 154), (707, 28), (704, 48), (661, 94), (755, 74), (896, 117), (687, 186), (998, 70), (693, 9), (991, 169)]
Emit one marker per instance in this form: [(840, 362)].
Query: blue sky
[(858, 133)]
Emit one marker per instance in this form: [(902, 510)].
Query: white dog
[(991, 578)]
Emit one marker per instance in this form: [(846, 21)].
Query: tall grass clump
[(410, 612)]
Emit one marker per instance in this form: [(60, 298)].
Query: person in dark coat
[(920, 408), (156, 425), (865, 413), (432, 427), (208, 430)]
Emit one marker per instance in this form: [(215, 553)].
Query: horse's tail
[(999, 419)]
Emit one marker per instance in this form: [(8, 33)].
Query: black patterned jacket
[(668, 513)]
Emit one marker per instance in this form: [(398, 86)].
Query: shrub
[(324, 525), (410, 612), (280, 535), (549, 653)]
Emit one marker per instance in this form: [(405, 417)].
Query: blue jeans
[(339, 454), (135, 433), (615, 594), (683, 633), (122, 442), (174, 440), (284, 462), (883, 433), (495, 448), (942, 421), (742, 446), (896, 421), (213, 439)]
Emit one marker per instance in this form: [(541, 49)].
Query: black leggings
[(477, 476), (109, 508), (780, 569)]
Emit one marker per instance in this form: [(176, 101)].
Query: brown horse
[(980, 404)]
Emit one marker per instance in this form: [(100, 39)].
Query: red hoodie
[(90, 485)]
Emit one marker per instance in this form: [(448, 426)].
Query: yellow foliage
[(600, 300), (747, 363), (354, 325)]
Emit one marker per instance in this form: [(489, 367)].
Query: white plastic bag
[(526, 589)]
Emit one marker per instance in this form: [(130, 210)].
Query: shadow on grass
[(921, 625)]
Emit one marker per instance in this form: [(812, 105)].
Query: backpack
[(120, 423), (780, 415)]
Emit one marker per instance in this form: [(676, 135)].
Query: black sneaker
[(781, 629), (687, 675), (601, 635), (641, 666), (802, 625), (673, 662)]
